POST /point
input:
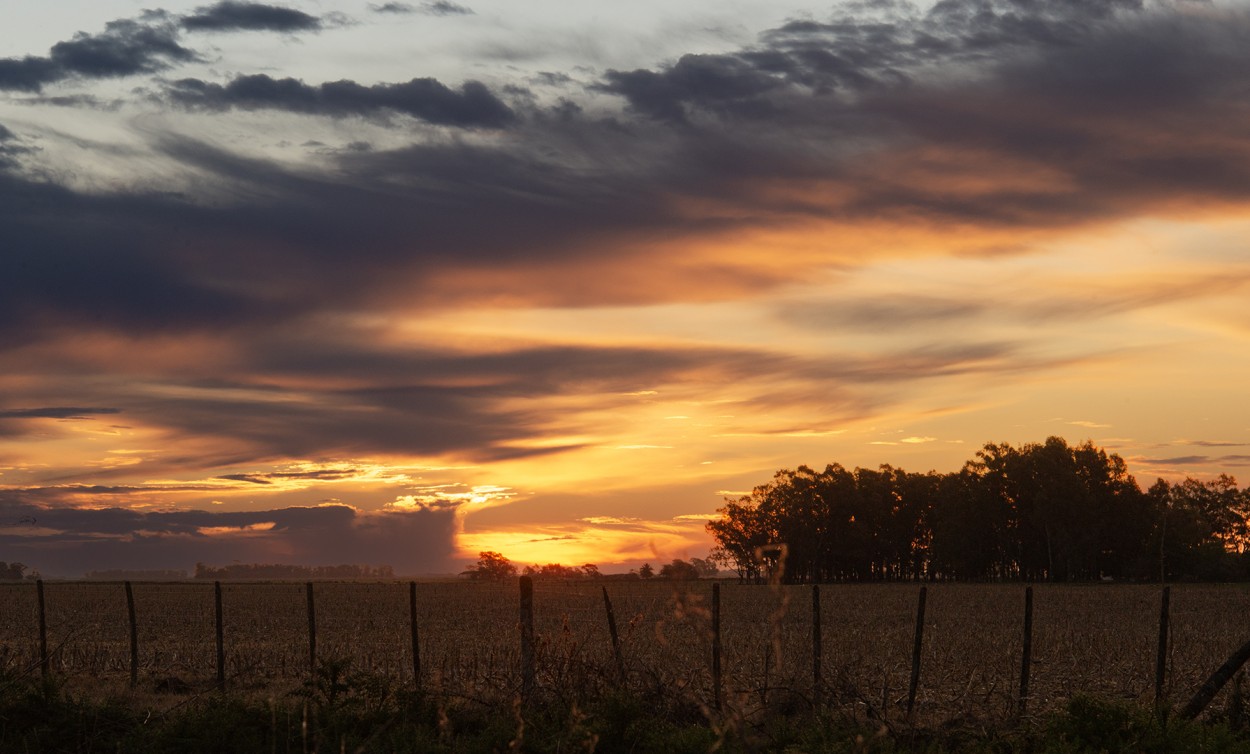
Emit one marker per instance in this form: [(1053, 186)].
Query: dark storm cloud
[(125, 48), (230, 15), (473, 106), (568, 186), (719, 83), (69, 541), (54, 412)]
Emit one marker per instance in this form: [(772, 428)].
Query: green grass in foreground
[(344, 713)]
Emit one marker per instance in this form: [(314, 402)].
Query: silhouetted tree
[(490, 566), (679, 570)]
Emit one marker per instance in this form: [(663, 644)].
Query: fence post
[(1161, 658), (134, 636), (221, 636), (915, 653), (43, 629), (616, 641), (817, 647), (717, 688), (312, 633), (1216, 682), (527, 638), (1026, 651), (416, 644)]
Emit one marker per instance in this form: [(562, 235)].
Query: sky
[(398, 282)]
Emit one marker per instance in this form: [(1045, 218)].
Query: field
[(1099, 640)]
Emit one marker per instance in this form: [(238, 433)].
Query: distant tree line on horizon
[(275, 571), (1040, 512), (493, 566)]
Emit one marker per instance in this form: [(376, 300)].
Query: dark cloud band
[(229, 15), (473, 106)]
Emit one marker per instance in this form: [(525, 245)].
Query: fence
[(988, 651)]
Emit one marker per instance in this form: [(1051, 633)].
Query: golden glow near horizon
[(1087, 321)]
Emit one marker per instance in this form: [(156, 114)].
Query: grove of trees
[(1040, 512)]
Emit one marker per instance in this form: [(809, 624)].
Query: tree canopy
[(490, 566), (1041, 511)]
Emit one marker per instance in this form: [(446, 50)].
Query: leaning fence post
[(817, 646), (1161, 659), (221, 636), (915, 653), (134, 636), (616, 641), (1026, 650), (1216, 682), (527, 637), (312, 632), (43, 629), (717, 689), (416, 644)]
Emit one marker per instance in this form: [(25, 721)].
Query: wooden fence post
[(817, 647), (134, 635), (312, 633), (717, 688), (616, 640), (915, 653), (43, 629), (1026, 651), (527, 638), (221, 636), (416, 644), (1161, 658), (1216, 682)]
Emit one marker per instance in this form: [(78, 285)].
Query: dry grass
[(1097, 639)]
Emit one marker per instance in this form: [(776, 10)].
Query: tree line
[(1039, 512), (493, 566), (276, 571)]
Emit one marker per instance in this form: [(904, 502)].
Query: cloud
[(473, 106), (54, 412), (67, 541), (230, 15), (445, 8), (125, 48), (10, 148), (399, 8), (724, 84), (271, 477), (13, 424), (207, 298), (1197, 460)]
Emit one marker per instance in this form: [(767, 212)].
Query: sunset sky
[(396, 282)]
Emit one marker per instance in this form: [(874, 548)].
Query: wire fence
[(755, 647)]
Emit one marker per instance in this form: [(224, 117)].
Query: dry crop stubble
[(1092, 639)]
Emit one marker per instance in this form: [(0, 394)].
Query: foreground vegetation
[(346, 712), (1098, 640)]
